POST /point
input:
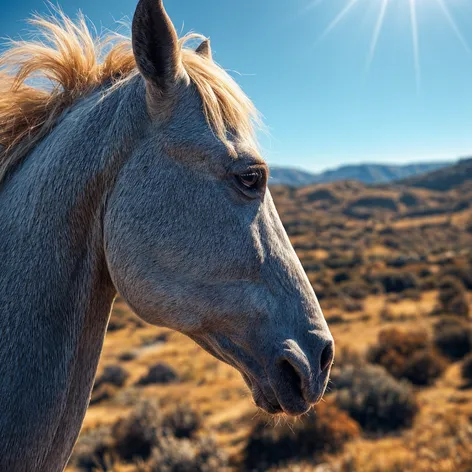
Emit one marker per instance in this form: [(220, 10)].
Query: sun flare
[(383, 7)]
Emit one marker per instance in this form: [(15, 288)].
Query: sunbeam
[(380, 22), (454, 27), (339, 17), (414, 34), (377, 30)]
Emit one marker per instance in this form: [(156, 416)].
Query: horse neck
[(55, 292)]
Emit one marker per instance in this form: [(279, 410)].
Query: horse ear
[(204, 50), (155, 43)]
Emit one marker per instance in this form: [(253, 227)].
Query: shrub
[(425, 272), (463, 274), (409, 199), (182, 421), (453, 338), (102, 393), (93, 450), (351, 306), (394, 282), (159, 374), (377, 201), (345, 356), (395, 348), (112, 375), (459, 305), (322, 194), (340, 277), (174, 455), (335, 319), (136, 435), (466, 369), (377, 401), (325, 429), (452, 297), (424, 367), (336, 262), (440, 441), (355, 290), (116, 323), (127, 356)]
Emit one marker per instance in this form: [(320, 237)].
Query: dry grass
[(440, 437)]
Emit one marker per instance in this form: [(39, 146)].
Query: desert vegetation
[(392, 267)]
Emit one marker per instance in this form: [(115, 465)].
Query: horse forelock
[(41, 78)]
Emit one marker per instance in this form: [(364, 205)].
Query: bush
[(394, 282), (116, 323), (136, 435), (159, 374), (463, 274), (452, 297), (409, 199), (377, 401), (112, 375), (127, 356), (440, 441), (146, 435), (174, 455), (93, 450), (466, 369), (459, 305), (351, 306), (102, 393), (340, 277), (325, 429), (182, 421), (345, 356), (355, 290), (395, 348), (424, 367), (407, 355), (453, 338)]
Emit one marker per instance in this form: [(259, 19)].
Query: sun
[(377, 29)]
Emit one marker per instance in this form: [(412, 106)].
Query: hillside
[(365, 173), (444, 179), (392, 268)]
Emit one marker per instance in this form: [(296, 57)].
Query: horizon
[(376, 81), (360, 163)]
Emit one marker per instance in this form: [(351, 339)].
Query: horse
[(135, 170)]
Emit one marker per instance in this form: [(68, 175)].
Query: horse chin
[(266, 398)]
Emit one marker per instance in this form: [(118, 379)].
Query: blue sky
[(323, 105)]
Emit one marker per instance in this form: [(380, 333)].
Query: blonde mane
[(39, 79)]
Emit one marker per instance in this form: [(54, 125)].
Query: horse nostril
[(327, 357), (291, 375)]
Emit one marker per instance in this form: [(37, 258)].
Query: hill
[(365, 173), (444, 179), (391, 265)]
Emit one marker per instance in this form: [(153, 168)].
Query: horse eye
[(250, 180)]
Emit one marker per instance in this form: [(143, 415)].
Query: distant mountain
[(291, 176), (444, 179), (365, 173)]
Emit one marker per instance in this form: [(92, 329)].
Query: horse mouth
[(268, 393), (268, 399), (269, 404)]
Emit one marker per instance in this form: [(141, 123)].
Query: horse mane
[(41, 78)]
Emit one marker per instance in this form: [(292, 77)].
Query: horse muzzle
[(288, 381)]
